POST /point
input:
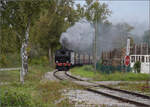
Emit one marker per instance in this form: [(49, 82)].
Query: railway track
[(122, 95), (61, 75)]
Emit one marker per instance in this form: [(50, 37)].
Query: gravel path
[(82, 98), (49, 76), (124, 95)]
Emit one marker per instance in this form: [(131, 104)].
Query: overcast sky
[(134, 12)]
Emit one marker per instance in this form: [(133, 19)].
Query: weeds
[(34, 92), (87, 71), (142, 87), (9, 76)]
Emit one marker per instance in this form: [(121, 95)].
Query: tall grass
[(10, 60), (34, 92), (15, 97), (9, 76), (87, 71)]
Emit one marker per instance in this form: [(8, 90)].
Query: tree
[(124, 30), (20, 16), (96, 13), (57, 17), (80, 11)]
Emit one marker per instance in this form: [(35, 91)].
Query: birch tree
[(20, 16)]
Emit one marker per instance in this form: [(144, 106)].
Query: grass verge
[(88, 72), (141, 87), (34, 92), (8, 76)]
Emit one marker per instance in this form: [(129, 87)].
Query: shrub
[(15, 97), (3, 61), (137, 66), (10, 60), (39, 61)]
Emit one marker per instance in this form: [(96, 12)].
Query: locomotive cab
[(63, 59)]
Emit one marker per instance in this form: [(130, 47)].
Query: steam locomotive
[(66, 59)]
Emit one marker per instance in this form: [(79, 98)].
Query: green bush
[(10, 60), (17, 97), (39, 61), (137, 66), (3, 61)]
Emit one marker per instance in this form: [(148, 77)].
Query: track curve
[(123, 95)]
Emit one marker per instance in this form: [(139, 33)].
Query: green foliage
[(137, 66), (20, 14), (36, 91), (8, 40), (96, 11), (52, 22), (15, 97), (141, 87), (47, 21), (9, 76), (3, 61), (83, 72), (39, 61), (117, 76), (10, 60)]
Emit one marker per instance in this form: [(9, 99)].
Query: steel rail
[(119, 98), (104, 93), (115, 89), (54, 74)]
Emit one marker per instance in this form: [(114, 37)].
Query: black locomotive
[(65, 59)]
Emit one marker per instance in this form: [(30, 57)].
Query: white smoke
[(79, 37)]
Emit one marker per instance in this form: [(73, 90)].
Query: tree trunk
[(25, 53), (22, 71), (53, 59), (50, 57)]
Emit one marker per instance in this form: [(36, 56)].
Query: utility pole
[(127, 51), (95, 45)]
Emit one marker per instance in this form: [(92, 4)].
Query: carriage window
[(149, 58), (143, 60)]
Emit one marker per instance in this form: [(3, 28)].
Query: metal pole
[(149, 44), (95, 47)]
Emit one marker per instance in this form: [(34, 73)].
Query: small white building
[(140, 52), (145, 62)]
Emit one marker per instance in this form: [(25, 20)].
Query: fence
[(111, 69)]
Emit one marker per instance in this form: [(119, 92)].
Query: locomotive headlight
[(67, 62), (56, 61)]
